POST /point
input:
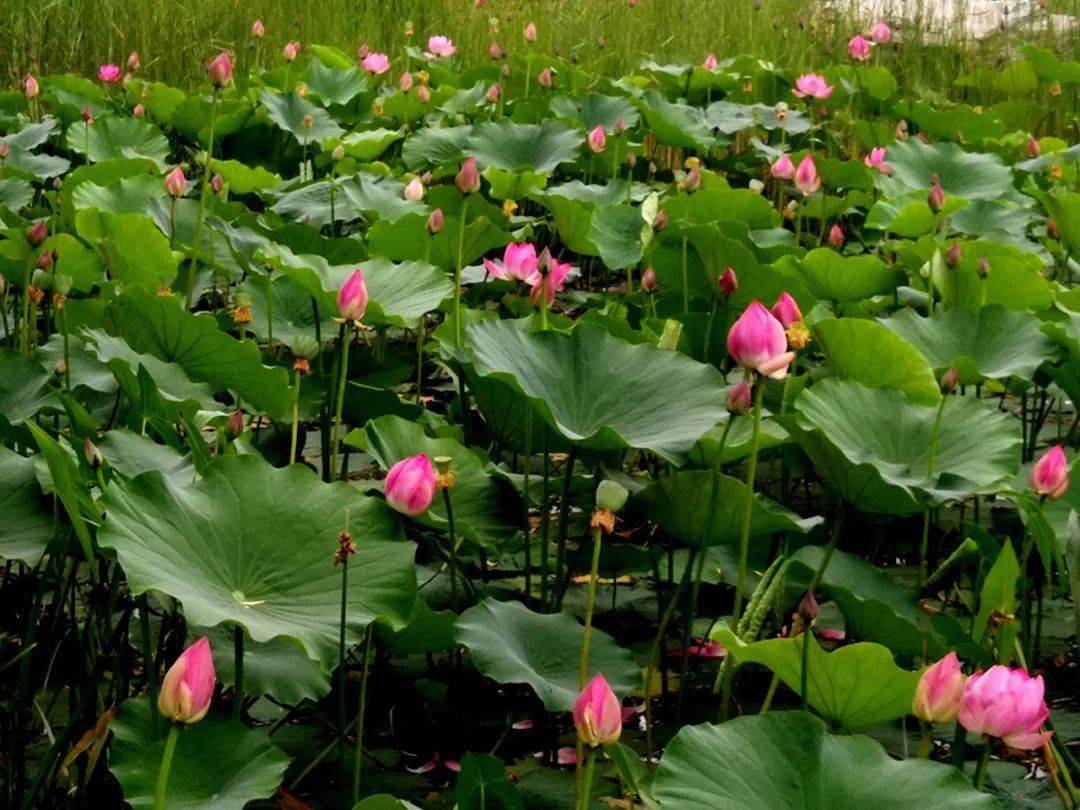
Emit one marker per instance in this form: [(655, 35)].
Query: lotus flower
[(881, 32), (291, 51), (836, 235), (782, 168), (352, 298), (728, 283), (649, 282), (375, 63), (1034, 148), (876, 160), (939, 691), (807, 179), (518, 264), (110, 74), (597, 139), (859, 48), (739, 397), (133, 61), (435, 221), (468, 178), (220, 69), (786, 310), (258, 29), (1006, 703), (30, 87), (441, 47), (598, 714), (936, 198), (530, 32), (811, 85), (1050, 474), (410, 485), (38, 232), (549, 279), (710, 62), (188, 686), (405, 83), (175, 182), (495, 50), (414, 191), (493, 93), (757, 342)]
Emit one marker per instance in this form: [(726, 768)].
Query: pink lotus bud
[(811, 85), (495, 50), (757, 342), (836, 235), (414, 191), (410, 485), (258, 30), (1050, 474), (220, 69), (1033, 148), (291, 51), (30, 87), (786, 310), (139, 111), (235, 426), (493, 93), (660, 221), (110, 74), (45, 261), (936, 198), (953, 256), (376, 63), (808, 609), (881, 32), (710, 62), (362, 51), (530, 32), (38, 232), (1006, 703), (950, 380), (727, 283), (739, 397), (598, 714), (435, 221), (939, 691), (876, 160), (597, 138), (983, 268), (217, 183), (649, 282), (550, 277), (859, 48), (1052, 229), (5, 151), (188, 686), (133, 61), (519, 263), (92, 453), (782, 168), (423, 94), (806, 176), (692, 181), (441, 47), (468, 178), (352, 298), (405, 83), (546, 79), (87, 116), (175, 182)]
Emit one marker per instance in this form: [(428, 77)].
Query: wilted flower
[(950, 380), (410, 485), (188, 686)]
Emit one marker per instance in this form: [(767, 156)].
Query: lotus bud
[(598, 714), (836, 236), (757, 342), (217, 183), (530, 32), (786, 310), (546, 79), (983, 268), (495, 50), (710, 62), (631, 159), (423, 94), (291, 51), (188, 686), (133, 61), (808, 609), (362, 51), (175, 182), (727, 283), (435, 221), (92, 453), (235, 426), (950, 380), (936, 198), (5, 150), (414, 191), (258, 30), (692, 181), (338, 153), (859, 48), (1049, 476), (410, 485), (660, 221), (739, 398), (493, 93), (139, 111), (38, 232), (468, 178), (611, 495), (649, 282), (597, 139), (881, 32), (1051, 227), (939, 691), (220, 70), (30, 87), (45, 261), (1033, 148), (405, 83), (87, 116), (953, 256), (308, 121), (352, 298), (1006, 703), (782, 168), (807, 179)]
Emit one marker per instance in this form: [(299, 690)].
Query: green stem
[(685, 287), (545, 522), (924, 546), (583, 672), (341, 652), (238, 671), (748, 507), (984, 762), (805, 669), (457, 271), (361, 711), (586, 787), (453, 548), (925, 740), (343, 367), (67, 350), (204, 193), (295, 418), (166, 765), (525, 517)]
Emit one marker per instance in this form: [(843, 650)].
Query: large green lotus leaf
[(787, 760), (24, 387), (909, 215), (596, 109), (706, 510), (294, 114), (75, 260), (27, 525), (616, 232), (362, 195), (279, 667), (674, 124), (400, 294), (833, 277), (333, 85), (292, 313), (131, 247), (888, 440), (1001, 220), (15, 194), (721, 205), (995, 342), (368, 144), (483, 784), (856, 686), (736, 442), (1064, 209), (435, 146), (192, 117), (217, 763), (483, 512), (408, 238), (252, 545), (868, 353), (158, 325), (973, 176), (541, 148), (730, 118), (1015, 282), (22, 143), (603, 393), (244, 179), (130, 454), (511, 644), (119, 137)]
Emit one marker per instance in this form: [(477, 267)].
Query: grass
[(174, 37)]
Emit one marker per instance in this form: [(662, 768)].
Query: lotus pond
[(384, 431)]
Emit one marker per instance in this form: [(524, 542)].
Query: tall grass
[(175, 36)]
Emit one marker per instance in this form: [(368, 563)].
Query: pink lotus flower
[(859, 48), (710, 62), (939, 691), (881, 32), (546, 79), (258, 29), (728, 282), (598, 714), (220, 69), (133, 61), (138, 111), (757, 342), (649, 282), (30, 87), (550, 278), (468, 177), (493, 93), (175, 182), (1050, 474), (352, 299), (1006, 703), (291, 51), (530, 32), (110, 74), (423, 94), (410, 485), (38, 233), (217, 183), (876, 160), (786, 310), (518, 264), (836, 235), (811, 85), (435, 221), (495, 50), (807, 179), (376, 63), (414, 191), (739, 397), (782, 168), (1034, 148), (441, 47), (188, 686), (936, 198), (405, 83), (597, 139)]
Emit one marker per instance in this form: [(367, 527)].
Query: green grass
[(174, 37)]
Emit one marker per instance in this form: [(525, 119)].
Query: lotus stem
[(368, 642), (984, 761), (924, 546), (452, 534), (525, 516), (685, 285), (583, 672), (748, 507), (344, 560), (545, 522), (807, 636), (203, 194), (457, 271), (564, 525), (62, 313), (166, 765), (586, 787), (149, 669), (295, 417), (925, 741), (688, 629), (238, 671), (343, 368)]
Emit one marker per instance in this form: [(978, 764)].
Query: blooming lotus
[(375, 63), (410, 485), (440, 47), (859, 48), (518, 264), (110, 74), (881, 32), (188, 686), (876, 160), (811, 85), (757, 342), (549, 279), (782, 168), (1006, 703)]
